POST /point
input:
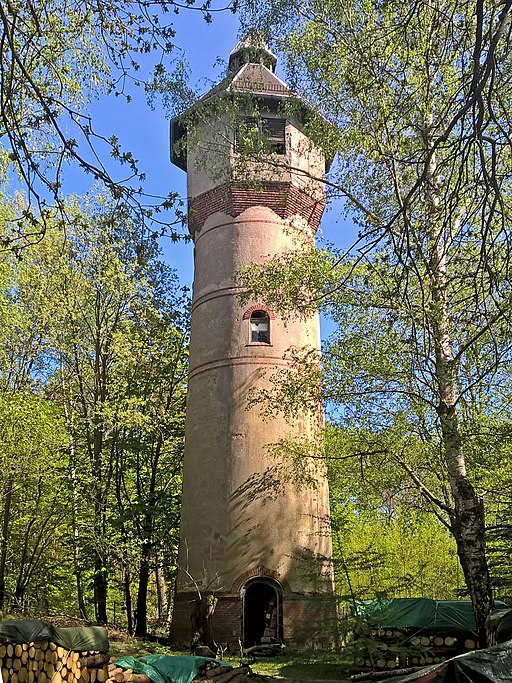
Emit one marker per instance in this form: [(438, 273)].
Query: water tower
[(260, 543)]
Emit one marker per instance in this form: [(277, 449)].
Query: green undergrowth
[(310, 665)]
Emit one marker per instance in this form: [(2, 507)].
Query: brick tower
[(261, 544)]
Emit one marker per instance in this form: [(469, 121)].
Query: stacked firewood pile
[(94, 667), (394, 649), (119, 675), (435, 647), (212, 672), (48, 662)]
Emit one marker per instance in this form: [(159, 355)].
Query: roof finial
[(252, 49)]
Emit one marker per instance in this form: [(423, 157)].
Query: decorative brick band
[(257, 573), (264, 360), (234, 198), (258, 307)]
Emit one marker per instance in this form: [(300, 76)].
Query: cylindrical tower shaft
[(256, 539)]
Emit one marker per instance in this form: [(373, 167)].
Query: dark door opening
[(262, 612)]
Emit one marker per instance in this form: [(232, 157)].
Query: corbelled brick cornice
[(234, 198)]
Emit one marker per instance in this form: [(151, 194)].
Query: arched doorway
[(262, 613)]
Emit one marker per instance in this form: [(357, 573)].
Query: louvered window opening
[(264, 134)]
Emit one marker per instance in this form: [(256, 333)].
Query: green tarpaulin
[(420, 613), (76, 639), (166, 668)]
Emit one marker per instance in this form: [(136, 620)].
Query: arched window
[(260, 327)]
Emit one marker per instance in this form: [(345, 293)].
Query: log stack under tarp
[(119, 675), (223, 674), (212, 672), (406, 632), (393, 649), (48, 661)]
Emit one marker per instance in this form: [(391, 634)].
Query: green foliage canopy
[(55, 57)]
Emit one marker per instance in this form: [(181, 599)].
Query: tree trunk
[(77, 560), (147, 544), (128, 601), (5, 538), (100, 590), (100, 569), (73, 477), (467, 521), (201, 618), (100, 487), (161, 589), (119, 471), (22, 554), (467, 518), (141, 627), (469, 531)]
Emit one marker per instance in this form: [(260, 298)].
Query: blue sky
[(145, 131)]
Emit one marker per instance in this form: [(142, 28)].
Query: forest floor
[(313, 666)]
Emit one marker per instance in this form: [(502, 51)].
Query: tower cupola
[(251, 50)]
